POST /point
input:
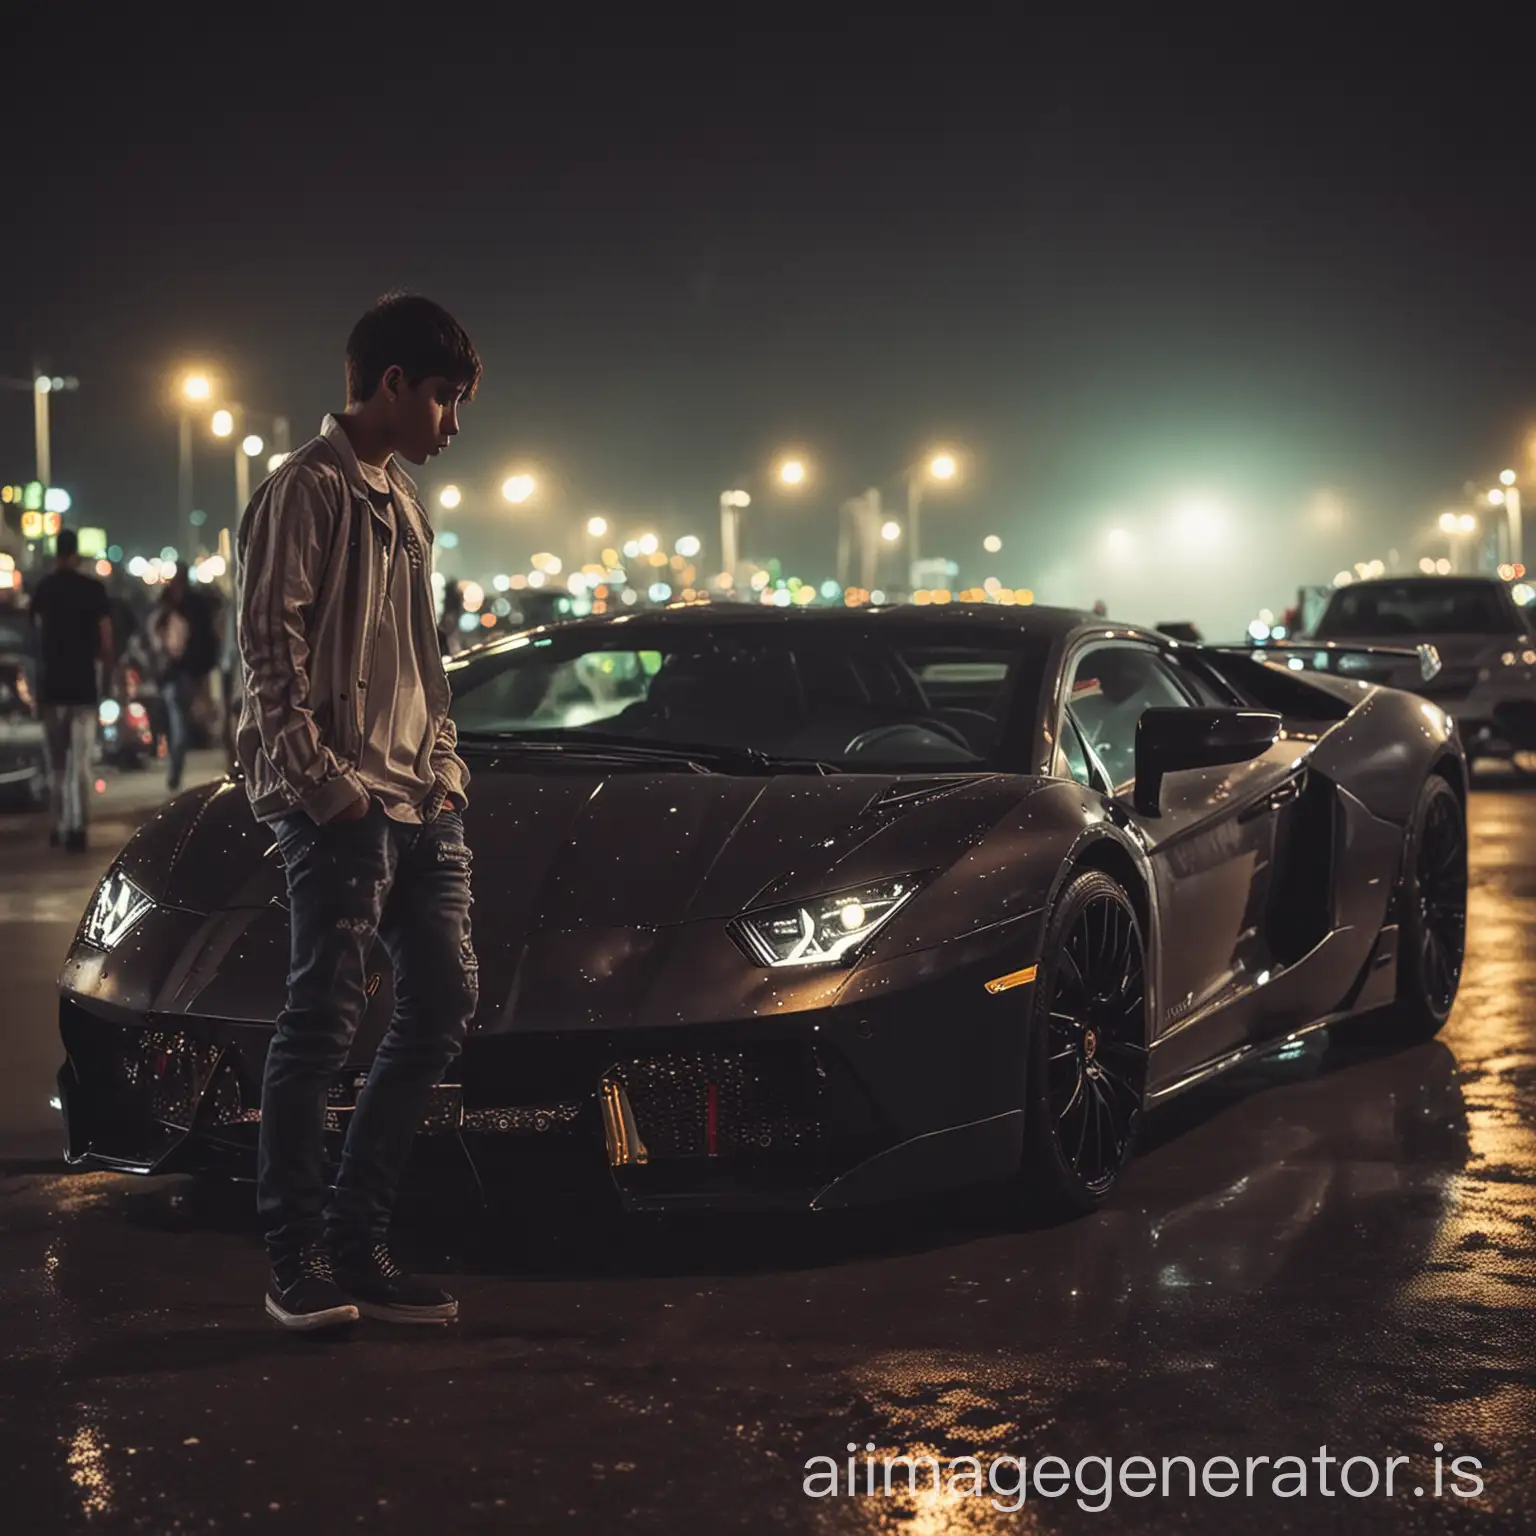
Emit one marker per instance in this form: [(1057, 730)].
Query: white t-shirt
[(376, 476)]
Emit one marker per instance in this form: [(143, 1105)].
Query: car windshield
[(1416, 609), (852, 696)]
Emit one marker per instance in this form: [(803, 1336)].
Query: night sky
[(1120, 261)]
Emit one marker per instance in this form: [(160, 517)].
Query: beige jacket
[(312, 574)]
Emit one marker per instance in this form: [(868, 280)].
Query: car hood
[(600, 899), (621, 850)]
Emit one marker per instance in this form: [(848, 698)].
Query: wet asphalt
[(1335, 1249)]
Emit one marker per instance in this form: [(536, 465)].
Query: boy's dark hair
[(407, 331), (66, 544)]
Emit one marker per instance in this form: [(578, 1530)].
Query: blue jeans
[(176, 690), (348, 881)]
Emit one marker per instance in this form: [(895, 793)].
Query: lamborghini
[(811, 908)]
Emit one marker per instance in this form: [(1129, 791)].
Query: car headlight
[(827, 931), (118, 906)]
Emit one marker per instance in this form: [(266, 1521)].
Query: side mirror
[(1170, 740)]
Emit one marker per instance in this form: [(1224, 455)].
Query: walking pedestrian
[(73, 616), (349, 755), (186, 649)]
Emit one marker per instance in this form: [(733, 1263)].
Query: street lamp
[(519, 488), (992, 544), (44, 387), (193, 389), (731, 504), (229, 421), (1457, 527), (1511, 499), (890, 531), (792, 471), (940, 467), (597, 527), (449, 497)]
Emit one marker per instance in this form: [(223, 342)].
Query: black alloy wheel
[(1432, 939), (1088, 1058)]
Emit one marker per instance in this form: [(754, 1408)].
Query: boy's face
[(425, 415)]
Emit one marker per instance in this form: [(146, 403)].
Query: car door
[(1211, 847)]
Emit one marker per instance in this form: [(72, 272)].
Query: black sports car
[(810, 908)]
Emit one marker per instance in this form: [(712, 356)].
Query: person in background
[(450, 638), (73, 617), (187, 650), (229, 675)]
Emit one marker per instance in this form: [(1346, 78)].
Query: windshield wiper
[(698, 757)]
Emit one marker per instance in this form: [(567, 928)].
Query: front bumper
[(908, 1090)]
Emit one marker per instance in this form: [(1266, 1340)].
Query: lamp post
[(227, 421), (597, 532), (1508, 480), (196, 390), (42, 387), (41, 391), (792, 472), (233, 418), (1457, 527), (195, 393), (940, 467), (731, 504)]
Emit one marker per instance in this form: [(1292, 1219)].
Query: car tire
[(1085, 1073), (1431, 941)]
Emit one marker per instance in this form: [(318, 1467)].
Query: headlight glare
[(117, 907), (828, 930)]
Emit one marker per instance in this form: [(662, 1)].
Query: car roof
[(1417, 579), (988, 619)]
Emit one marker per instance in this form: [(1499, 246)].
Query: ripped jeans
[(348, 881)]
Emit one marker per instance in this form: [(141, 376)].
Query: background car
[(23, 749), (813, 908), (1485, 642)]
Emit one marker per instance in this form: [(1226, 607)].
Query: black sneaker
[(303, 1294), (372, 1278)]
